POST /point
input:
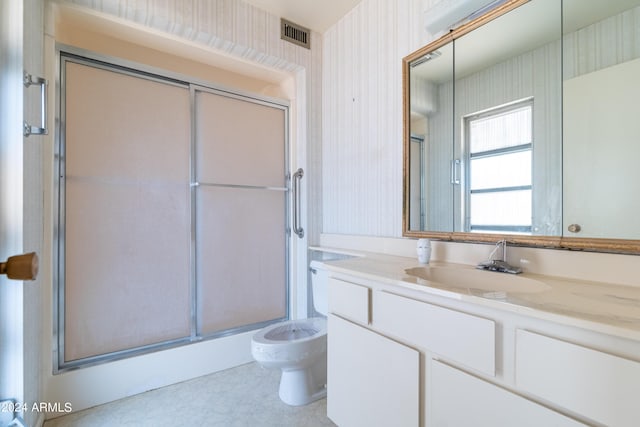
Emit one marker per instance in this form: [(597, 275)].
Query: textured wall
[(362, 115), (612, 41)]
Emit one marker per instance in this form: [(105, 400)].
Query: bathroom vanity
[(449, 345)]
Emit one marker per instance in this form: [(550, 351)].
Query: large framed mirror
[(522, 124)]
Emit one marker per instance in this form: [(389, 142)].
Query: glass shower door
[(173, 215), (125, 216), (240, 182)]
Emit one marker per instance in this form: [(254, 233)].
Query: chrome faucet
[(500, 265)]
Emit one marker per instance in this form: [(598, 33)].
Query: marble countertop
[(602, 307)]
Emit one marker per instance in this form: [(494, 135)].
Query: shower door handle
[(297, 177)]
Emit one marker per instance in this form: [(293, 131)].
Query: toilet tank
[(319, 280)]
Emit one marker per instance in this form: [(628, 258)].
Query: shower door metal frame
[(196, 327), (66, 53)]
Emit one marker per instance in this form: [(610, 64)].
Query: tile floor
[(238, 397)]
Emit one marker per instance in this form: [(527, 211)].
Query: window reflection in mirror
[(513, 58), (511, 61), (498, 153)]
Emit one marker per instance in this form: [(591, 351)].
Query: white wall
[(20, 202), (12, 335), (33, 207), (362, 116)]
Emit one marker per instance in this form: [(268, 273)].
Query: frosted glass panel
[(127, 233), (241, 257), (119, 291), (239, 142), (241, 230), (125, 126)]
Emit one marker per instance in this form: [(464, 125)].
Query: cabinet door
[(460, 400), (372, 380), (598, 385)]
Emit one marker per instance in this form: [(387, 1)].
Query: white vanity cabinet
[(372, 380), (401, 356)]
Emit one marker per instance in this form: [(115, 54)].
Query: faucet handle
[(503, 242), (499, 243)]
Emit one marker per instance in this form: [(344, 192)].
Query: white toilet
[(299, 348)]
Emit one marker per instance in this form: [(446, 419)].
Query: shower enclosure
[(173, 202)]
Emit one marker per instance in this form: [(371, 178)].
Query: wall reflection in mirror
[(489, 150), (601, 118)]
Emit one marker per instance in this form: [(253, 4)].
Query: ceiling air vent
[(295, 34)]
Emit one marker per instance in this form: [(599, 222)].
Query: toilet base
[(303, 386)]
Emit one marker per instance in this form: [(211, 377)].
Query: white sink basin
[(470, 278)]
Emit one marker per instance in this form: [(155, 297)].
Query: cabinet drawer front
[(598, 385), (349, 300), (459, 399), (460, 337)]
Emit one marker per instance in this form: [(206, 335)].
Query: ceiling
[(317, 15)]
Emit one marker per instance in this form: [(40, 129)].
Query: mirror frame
[(623, 246)]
